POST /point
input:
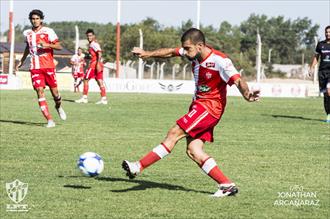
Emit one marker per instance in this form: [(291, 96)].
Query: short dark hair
[(194, 35), (36, 12), (327, 27), (90, 31)]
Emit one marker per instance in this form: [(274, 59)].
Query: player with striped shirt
[(213, 71), (40, 43), (78, 63)]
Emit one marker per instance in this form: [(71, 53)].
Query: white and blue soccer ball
[(90, 164)]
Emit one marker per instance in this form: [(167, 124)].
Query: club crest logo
[(16, 190), (208, 75)]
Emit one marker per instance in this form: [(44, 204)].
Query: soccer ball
[(90, 164)]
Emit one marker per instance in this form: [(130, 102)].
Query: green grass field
[(266, 148)]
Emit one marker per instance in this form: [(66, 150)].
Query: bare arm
[(243, 87), (25, 54), (98, 61), (314, 61), (158, 53)]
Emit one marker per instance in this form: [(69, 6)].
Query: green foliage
[(287, 38)]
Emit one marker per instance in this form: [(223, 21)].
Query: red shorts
[(77, 75), (91, 73), (42, 77), (198, 123)]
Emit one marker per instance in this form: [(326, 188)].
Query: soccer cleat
[(132, 169), (61, 113), (102, 101), (82, 100), (50, 124), (226, 190), (328, 118)]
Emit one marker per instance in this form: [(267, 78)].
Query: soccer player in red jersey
[(213, 71), (40, 43), (78, 63), (95, 69)]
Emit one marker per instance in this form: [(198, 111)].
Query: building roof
[(20, 47)]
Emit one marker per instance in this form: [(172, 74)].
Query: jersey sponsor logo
[(203, 88), (210, 64)]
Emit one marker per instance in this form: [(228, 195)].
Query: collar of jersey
[(207, 55)]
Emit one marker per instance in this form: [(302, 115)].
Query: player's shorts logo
[(16, 190)]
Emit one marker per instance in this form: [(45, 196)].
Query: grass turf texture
[(265, 148)]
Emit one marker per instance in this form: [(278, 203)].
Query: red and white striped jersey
[(94, 48), (40, 58), (79, 63), (211, 78)]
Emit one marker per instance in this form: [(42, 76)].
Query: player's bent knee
[(175, 133), (40, 91)]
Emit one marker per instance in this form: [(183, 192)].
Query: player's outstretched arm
[(158, 53), (248, 95)]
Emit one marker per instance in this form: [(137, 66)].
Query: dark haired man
[(95, 69), (213, 71), (40, 43), (322, 52)]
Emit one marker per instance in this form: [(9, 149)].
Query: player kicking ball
[(213, 71), (40, 43)]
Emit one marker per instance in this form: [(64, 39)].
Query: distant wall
[(65, 82)]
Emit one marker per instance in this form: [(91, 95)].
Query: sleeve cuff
[(177, 51), (233, 78)]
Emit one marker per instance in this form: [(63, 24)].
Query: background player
[(323, 51), (40, 42), (78, 63), (95, 69), (213, 71)]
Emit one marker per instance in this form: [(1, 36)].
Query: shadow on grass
[(144, 185), (77, 186), (293, 117), (22, 122), (68, 100)]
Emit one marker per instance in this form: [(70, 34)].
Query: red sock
[(85, 91), (44, 108), (210, 167), (153, 156), (103, 92)]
